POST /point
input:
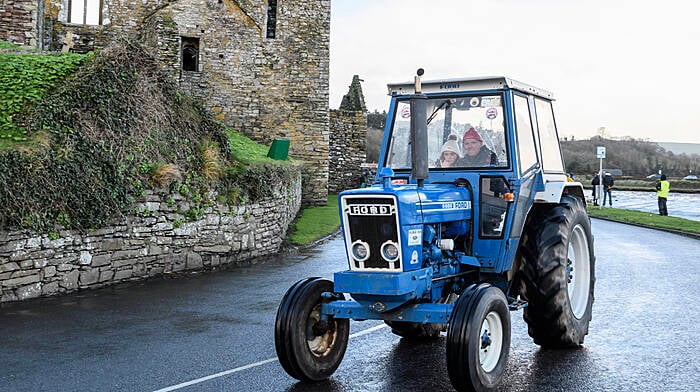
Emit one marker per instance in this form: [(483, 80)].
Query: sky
[(630, 67)]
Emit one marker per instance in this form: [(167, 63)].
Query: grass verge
[(316, 222), (247, 151), (647, 219)]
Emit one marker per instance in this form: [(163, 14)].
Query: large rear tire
[(308, 348), (558, 272), (478, 339)]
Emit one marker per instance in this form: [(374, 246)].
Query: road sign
[(600, 152)]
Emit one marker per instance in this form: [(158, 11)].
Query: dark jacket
[(608, 181), (485, 157), (596, 180)]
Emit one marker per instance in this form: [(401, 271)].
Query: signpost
[(600, 154)]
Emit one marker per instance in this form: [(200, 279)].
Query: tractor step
[(516, 304)]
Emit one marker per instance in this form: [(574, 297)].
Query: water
[(682, 205)]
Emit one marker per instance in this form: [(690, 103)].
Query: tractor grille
[(372, 221)]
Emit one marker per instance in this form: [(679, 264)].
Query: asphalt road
[(214, 332)]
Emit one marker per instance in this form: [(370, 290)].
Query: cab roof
[(468, 84)]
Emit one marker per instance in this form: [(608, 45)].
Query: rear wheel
[(478, 339), (308, 347), (558, 272)]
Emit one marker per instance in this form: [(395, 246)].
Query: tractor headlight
[(360, 250), (390, 252)]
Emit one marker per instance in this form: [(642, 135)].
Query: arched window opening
[(190, 53)]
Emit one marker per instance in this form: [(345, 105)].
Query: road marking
[(368, 330), (253, 365)]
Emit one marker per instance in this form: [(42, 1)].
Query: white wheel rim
[(491, 341), (321, 345), (578, 271)]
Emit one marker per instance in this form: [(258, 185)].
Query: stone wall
[(156, 240), (347, 149), (265, 88), (19, 23)]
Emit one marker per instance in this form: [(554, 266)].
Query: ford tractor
[(470, 215)]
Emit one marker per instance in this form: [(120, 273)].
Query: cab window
[(523, 127), (551, 154), (463, 132)]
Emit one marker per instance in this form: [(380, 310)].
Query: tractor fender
[(555, 188)]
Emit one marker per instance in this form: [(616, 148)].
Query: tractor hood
[(432, 203), (384, 227)]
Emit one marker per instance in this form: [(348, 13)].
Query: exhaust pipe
[(419, 132)]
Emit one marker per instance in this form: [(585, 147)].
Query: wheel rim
[(491, 341), (319, 336), (578, 270)]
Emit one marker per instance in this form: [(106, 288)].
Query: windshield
[(463, 132)]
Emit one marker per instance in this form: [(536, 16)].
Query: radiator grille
[(374, 221)]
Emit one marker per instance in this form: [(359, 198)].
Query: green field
[(647, 219)]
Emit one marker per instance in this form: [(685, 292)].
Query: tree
[(376, 119)]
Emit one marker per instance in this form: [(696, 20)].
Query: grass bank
[(647, 219), (316, 222)]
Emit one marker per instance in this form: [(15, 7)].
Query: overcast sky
[(632, 67)]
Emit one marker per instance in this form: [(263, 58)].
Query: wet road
[(214, 332)]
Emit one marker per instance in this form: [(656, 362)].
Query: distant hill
[(681, 148), (637, 158)]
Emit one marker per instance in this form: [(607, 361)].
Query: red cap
[(472, 134)]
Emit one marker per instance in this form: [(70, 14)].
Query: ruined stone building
[(260, 66)]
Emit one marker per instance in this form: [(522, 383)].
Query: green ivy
[(24, 80), (99, 136)]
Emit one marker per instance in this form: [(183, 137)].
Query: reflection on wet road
[(214, 332)]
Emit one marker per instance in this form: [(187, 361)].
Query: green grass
[(8, 46), (247, 151), (316, 222), (646, 219)]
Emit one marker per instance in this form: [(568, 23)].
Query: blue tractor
[(470, 215)]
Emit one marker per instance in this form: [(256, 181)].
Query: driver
[(475, 153)]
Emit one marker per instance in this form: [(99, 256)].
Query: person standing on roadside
[(662, 189), (608, 183), (595, 183)]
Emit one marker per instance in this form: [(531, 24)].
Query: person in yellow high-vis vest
[(662, 188)]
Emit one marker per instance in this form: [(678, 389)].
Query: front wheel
[(558, 271), (308, 347), (478, 339)]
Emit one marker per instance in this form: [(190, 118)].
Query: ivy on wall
[(24, 79), (116, 127)]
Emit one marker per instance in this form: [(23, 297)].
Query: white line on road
[(253, 365)]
